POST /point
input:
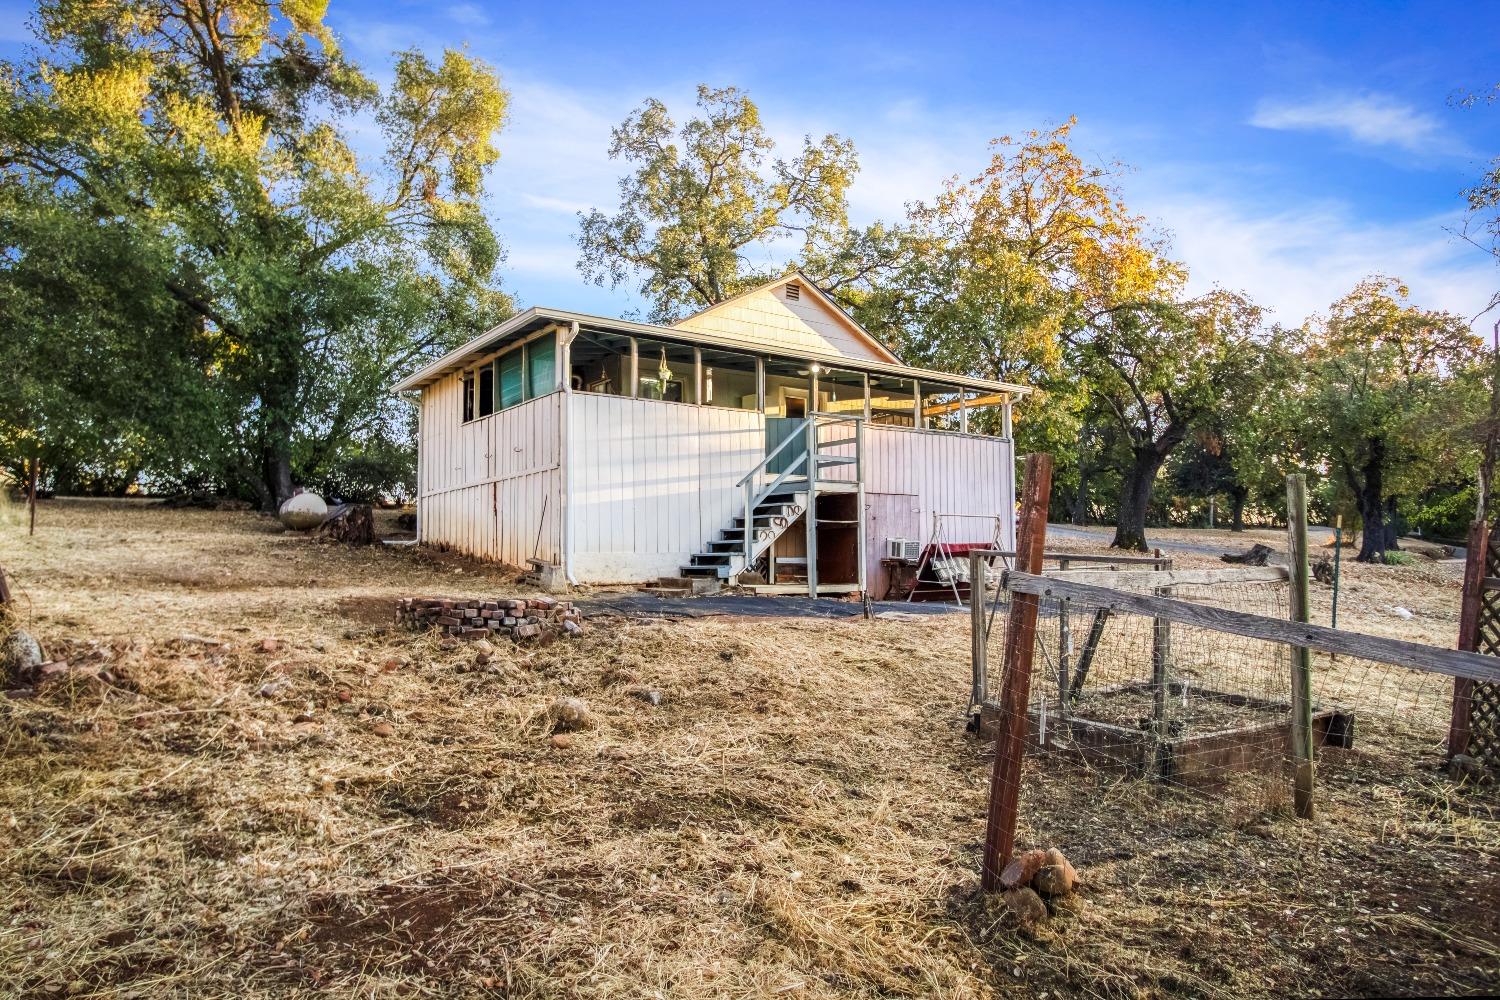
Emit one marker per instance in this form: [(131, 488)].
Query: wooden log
[(1415, 655), (1468, 636), (1300, 611), (1020, 645)]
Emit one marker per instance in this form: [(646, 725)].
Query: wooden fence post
[(1468, 636), (1020, 646), (4, 590), (1302, 737)]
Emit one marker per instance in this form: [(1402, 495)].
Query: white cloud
[(1299, 259), (1370, 119), (468, 14)]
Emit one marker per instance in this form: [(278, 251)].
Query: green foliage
[(1391, 398), (700, 197), (291, 279), (1395, 558)]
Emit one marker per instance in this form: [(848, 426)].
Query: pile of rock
[(1032, 880), (534, 618)]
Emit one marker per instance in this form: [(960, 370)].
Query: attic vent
[(793, 291)]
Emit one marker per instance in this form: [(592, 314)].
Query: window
[(841, 392), (600, 362), (893, 401), (667, 371), (468, 395), (485, 396), (940, 407), (512, 384), (788, 388), (728, 380), (541, 366)]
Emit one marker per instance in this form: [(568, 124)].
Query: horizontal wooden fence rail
[(1416, 655), (1169, 578)]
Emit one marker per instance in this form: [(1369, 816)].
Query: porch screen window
[(512, 385), (468, 394), (893, 401), (541, 366), (841, 392), (600, 362), (728, 380), (940, 407), (667, 371)]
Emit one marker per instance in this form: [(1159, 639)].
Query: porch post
[(635, 369), (760, 386), (918, 421), (963, 412), (1005, 419)]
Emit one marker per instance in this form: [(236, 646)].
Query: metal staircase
[(806, 465)]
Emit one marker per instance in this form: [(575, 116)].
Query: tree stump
[(350, 523), (1256, 555)]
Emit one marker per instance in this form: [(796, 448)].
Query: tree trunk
[(1237, 498), (1135, 498), (36, 464), (1371, 501), (1080, 512)]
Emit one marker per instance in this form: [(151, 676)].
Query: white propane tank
[(303, 511)]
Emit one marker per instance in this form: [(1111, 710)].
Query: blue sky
[(1287, 149)]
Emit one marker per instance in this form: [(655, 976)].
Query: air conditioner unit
[(904, 549)]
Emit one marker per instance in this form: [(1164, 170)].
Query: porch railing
[(807, 451)]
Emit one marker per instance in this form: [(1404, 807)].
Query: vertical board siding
[(651, 482), (492, 487), (948, 474)]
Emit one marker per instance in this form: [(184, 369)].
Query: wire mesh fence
[(1195, 709)]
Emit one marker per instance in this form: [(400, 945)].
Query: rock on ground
[(20, 656), (1026, 906)]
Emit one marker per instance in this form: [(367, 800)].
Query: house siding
[(492, 487), (766, 320)]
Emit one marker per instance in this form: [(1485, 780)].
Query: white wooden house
[(622, 452)]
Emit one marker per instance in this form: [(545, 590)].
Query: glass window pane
[(600, 362), (541, 366), (667, 371), (893, 401), (468, 398), (511, 387), (486, 394), (728, 380)]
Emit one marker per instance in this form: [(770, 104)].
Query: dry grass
[(799, 817)]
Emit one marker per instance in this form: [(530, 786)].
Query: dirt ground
[(275, 793)]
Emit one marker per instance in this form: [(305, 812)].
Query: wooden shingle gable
[(791, 314)]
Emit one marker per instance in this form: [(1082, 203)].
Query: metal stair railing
[(810, 457)]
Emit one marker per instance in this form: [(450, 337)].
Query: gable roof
[(718, 318)]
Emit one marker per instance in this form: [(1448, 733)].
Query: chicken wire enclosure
[(1171, 702)]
